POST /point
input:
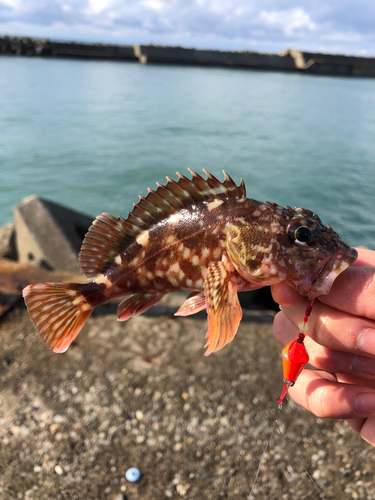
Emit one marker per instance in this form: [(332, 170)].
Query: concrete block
[(8, 242), (48, 234)]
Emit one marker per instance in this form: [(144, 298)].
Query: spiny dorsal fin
[(174, 196), (108, 236)]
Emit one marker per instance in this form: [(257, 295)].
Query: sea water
[(93, 135)]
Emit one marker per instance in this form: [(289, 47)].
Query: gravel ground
[(141, 394)]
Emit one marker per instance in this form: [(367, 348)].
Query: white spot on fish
[(134, 262), (273, 269), (174, 268), (195, 260), (205, 252), (100, 278), (214, 204), (142, 239), (256, 213), (217, 253), (171, 240), (174, 219), (186, 253), (118, 259), (173, 281), (78, 300), (150, 276), (189, 283)]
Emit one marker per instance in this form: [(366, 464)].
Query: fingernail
[(366, 341), (365, 402)]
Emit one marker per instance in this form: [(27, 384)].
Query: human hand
[(341, 345)]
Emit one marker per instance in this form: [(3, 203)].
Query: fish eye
[(303, 233)]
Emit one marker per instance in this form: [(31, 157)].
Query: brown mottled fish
[(202, 236)]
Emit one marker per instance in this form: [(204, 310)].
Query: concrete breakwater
[(288, 60)]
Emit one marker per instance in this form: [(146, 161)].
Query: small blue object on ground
[(133, 475)]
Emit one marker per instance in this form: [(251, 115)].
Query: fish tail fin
[(58, 312)]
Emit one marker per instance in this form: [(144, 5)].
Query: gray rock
[(8, 242), (48, 234)]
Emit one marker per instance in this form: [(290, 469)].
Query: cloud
[(343, 25), (290, 22)]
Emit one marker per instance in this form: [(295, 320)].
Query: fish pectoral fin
[(136, 304), (224, 312), (194, 303)]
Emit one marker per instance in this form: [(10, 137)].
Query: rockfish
[(200, 236)]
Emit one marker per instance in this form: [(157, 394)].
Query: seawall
[(288, 60)]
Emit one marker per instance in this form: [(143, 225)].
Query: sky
[(331, 26)]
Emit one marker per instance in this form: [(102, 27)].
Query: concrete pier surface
[(287, 60), (141, 394)]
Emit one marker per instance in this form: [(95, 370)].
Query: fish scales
[(202, 236), (175, 252)]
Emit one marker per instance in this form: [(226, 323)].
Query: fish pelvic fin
[(224, 312), (136, 304), (58, 312), (193, 304)]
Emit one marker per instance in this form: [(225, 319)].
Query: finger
[(353, 292), (330, 399), (284, 295), (365, 427), (353, 368), (366, 257), (335, 329)]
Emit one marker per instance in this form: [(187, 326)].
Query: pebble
[(133, 475), (59, 470)]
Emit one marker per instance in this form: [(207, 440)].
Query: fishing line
[(295, 358), (277, 411), (276, 426), (290, 448)]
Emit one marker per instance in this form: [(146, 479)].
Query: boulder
[(8, 242), (48, 234)]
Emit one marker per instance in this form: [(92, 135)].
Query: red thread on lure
[(295, 357)]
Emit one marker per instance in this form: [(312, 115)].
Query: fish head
[(317, 253), (291, 245)]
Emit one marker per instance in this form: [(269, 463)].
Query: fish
[(197, 235)]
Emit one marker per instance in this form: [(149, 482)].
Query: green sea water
[(93, 135)]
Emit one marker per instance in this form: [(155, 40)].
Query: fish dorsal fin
[(174, 196), (109, 236)]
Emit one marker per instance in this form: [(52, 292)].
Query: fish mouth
[(322, 285)]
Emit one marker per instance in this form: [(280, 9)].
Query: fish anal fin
[(136, 304), (224, 312), (194, 303), (58, 312)]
